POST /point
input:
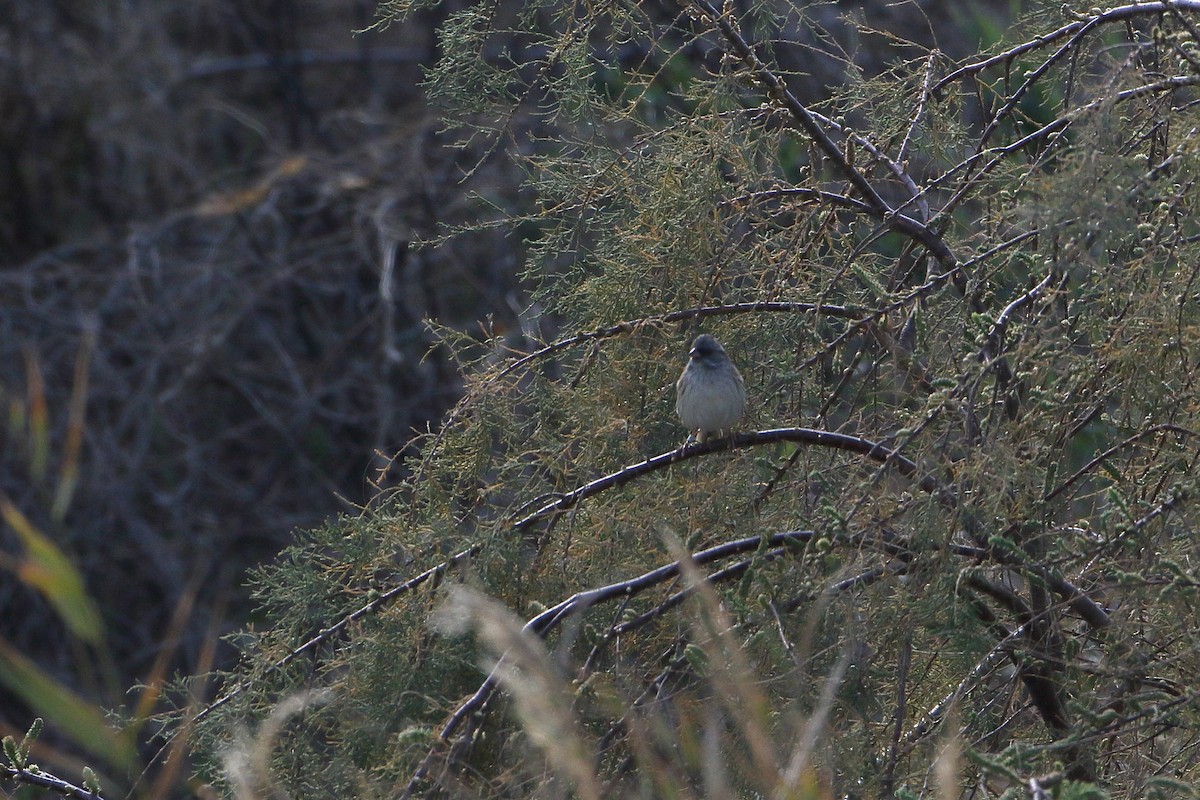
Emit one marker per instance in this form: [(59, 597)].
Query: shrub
[(957, 546)]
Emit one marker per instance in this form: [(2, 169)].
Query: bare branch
[(817, 438), (1118, 14)]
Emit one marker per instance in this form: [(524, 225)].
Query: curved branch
[(541, 624), (818, 438), (995, 337), (723, 574), (702, 312), (1121, 445), (872, 450), (998, 153)]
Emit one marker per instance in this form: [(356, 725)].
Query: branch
[(579, 602), (36, 777), (702, 312), (1040, 678), (630, 326), (818, 438), (1102, 457), (997, 154), (994, 342), (872, 450), (833, 198), (934, 716), (726, 573), (1072, 595), (325, 634), (1112, 15), (776, 89), (897, 168), (546, 621), (552, 617)]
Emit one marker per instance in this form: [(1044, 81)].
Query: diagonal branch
[(551, 618), (776, 88), (702, 312), (326, 634), (44, 780)]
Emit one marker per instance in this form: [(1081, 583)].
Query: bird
[(710, 395)]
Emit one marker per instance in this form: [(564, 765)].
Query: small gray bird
[(710, 396)]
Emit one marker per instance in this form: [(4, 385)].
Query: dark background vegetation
[(206, 218), (205, 213)]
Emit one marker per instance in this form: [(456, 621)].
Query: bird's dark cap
[(705, 345)]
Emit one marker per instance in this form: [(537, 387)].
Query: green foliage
[(90, 781), (18, 753), (84, 722), (964, 300), (1071, 790)]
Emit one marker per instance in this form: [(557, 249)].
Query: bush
[(957, 549)]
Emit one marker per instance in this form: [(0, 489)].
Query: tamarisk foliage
[(954, 552)]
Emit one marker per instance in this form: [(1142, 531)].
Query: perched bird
[(710, 396)]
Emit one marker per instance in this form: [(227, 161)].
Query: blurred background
[(211, 320), (211, 312)]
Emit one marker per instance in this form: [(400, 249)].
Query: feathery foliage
[(959, 548)]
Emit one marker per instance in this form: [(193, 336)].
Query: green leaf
[(31, 735), (74, 716), (47, 569), (13, 753), (90, 781), (38, 417)]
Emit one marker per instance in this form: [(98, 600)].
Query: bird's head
[(706, 348)]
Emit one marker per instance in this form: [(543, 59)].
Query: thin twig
[(1111, 15), (326, 634)]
